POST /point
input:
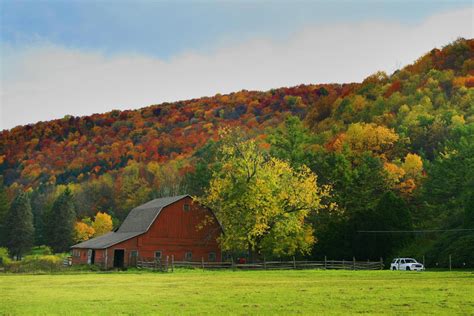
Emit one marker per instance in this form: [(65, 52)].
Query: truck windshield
[(410, 260)]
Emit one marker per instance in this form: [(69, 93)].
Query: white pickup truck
[(406, 264)]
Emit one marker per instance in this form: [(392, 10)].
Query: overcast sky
[(84, 57)]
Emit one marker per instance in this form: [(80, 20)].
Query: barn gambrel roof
[(138, 221)]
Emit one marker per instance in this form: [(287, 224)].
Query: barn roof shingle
[(137, 222)]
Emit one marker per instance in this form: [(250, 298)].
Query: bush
[(41, 250), (36, 263), (4, 257)]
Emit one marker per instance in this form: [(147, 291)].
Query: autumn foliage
[(390, 132)]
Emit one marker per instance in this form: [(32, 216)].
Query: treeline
[(396, 151), (20, 230), (57, 226)]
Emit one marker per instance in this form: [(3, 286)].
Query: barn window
[(212, 256), (158, 254), (134, 254), (186, 207), (188, 256)]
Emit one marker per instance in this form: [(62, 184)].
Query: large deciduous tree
[(262, 202), (19, 226)]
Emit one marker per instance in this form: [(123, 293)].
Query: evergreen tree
[(41, 201), (60, 222), (19, 226), (4, 206)]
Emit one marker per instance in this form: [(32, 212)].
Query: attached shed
[(162, 227)]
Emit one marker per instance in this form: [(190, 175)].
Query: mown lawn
[(241, 293)]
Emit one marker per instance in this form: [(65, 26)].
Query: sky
[(75, 57)]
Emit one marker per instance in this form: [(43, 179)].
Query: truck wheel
[(408, 269), (393, 268)]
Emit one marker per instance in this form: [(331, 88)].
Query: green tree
[(262, 202), (19, 226), (390, 214), (133, 190), (206, 161), (60, 222), (290, 142), (4, 207), (41, 202), (358, 184)]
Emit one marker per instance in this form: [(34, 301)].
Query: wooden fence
[(169, 263), (154, 264)]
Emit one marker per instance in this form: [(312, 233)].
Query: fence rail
[(170, 264), (153, 264)]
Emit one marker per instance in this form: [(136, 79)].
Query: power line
[(416, 231)]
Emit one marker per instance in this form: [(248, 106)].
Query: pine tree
[(4, 207), (19, 226), (41, 202), (60, 222)]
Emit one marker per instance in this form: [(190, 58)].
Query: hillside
[(414, 127), (74, 149)]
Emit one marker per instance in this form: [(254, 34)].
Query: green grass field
[(241, 293)]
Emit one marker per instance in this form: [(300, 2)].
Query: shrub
[(4, 257), (36, 263), (41, 250)]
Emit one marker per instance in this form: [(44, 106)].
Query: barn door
[(119, 255)]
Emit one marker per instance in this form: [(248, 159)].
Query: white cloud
[(48, 81)]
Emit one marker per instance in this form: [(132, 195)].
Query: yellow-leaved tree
[(362, 137), (82, 231), (413, 166), (102, 224), (262, 202)]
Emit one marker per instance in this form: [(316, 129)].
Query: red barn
[(162, 227)]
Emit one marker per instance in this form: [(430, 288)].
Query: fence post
[(167, 261), (264, 263), (381, 263), (449, 262), (353, 263), (343, 264), (202, 262), (424, 262), (325, 263), (233, 266), (294, 263), (172, 263)]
